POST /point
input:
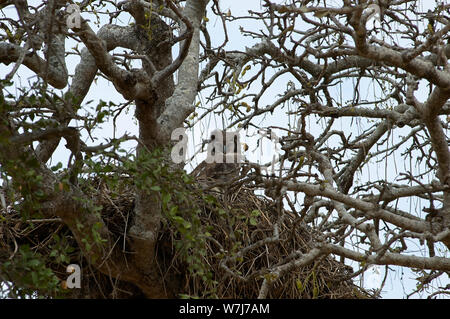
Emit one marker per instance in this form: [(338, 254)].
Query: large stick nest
[(235, 220)]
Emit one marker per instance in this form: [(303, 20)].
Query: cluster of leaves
[(61, 250), (27, 193), (30, 275)]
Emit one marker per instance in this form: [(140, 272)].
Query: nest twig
[(239, 253)]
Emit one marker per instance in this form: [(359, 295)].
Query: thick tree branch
[(181, 103), (134, 84), (10, 53)]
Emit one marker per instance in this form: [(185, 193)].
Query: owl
[(223, 159)]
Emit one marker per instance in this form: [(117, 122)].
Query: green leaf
[(299, 285), (65, 259), (173, 211), (34, 277), (34, 263), (315, 292), (302, 159), (166, 197), (187, 224), (255, 213)]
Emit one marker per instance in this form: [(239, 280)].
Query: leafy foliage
[(29, 276)]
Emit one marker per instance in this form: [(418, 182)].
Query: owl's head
[(224, 146)]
